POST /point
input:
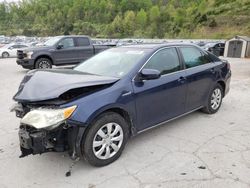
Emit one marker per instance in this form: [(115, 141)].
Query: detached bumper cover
[(32, 143), (64, 138), (26, 63)]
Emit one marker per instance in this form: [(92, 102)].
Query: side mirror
[(149, 74), (11, 48), (59, 46)]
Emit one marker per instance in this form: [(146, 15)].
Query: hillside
[(127, 18)]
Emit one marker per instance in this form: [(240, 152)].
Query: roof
[(156, 46), (243, 38), (71, 36)]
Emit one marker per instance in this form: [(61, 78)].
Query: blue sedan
[(92, 110)]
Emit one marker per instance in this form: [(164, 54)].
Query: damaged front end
[(48, 129), (34, 141), (42, 100), (64, 138)]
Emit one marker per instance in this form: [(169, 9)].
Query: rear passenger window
[(193, 57), (83, 42), (165, 61)]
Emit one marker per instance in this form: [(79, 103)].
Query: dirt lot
[(197, 150)]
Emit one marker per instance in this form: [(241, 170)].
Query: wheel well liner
[(223, 85), (124, 114), (5, 52)]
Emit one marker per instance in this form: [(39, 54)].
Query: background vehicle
[(215, 48), (10, 50), (60, 50), (92, 110)]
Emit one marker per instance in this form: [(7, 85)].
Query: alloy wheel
[(216, 99), (44, 65), (5, 55)]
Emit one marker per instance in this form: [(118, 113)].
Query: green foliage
[(115, 29), (129, 23), (126, 18), (141, 19), (154, 14)]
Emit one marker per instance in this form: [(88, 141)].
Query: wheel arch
[(223, 85), (44, 56), (116, 109), (5, 52)]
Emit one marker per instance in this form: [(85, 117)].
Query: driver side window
[(165, 61), (67, 43)]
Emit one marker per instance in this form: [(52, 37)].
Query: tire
[(43, 63), (98, 133), (5, 55), (214, 100)]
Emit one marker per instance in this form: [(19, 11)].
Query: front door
[(164, 98), (65, 53)]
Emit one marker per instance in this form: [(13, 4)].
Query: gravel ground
[(197, 150)]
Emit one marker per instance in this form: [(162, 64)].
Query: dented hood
[(40, 85)]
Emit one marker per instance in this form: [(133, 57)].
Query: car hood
[(3, 49), (41, 85), (38, 48)]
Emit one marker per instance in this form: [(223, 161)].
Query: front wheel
[(43, 63), (106, 139), (5, 55), (214, 100)]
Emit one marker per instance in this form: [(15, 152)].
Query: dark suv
[(60, 50), (215, 48)]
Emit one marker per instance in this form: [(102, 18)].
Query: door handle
[(182, 79)]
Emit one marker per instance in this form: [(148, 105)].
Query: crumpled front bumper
[(67, 137), (26, 63), (32, 143)]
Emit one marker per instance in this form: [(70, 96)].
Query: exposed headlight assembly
[(47, 118)]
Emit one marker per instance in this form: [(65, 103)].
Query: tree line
[(118, 18)]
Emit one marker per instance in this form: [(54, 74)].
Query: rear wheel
[(43, 63), (106, 139), (214, 100), (5, 55)]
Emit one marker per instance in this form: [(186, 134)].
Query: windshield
[(52, 41), (115, 62)]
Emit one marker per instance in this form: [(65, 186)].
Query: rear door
[(200, 75), (67, 54), (84, 48), (164, 98)]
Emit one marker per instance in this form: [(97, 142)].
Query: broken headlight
[(47, 118)]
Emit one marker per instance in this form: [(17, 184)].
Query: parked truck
[(59, 50)]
